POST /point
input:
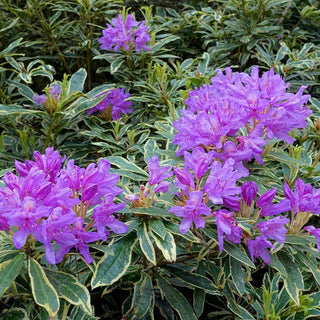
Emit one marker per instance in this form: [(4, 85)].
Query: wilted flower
[(55, 91)]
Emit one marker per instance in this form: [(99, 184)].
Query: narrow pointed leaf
[(77, 81), (167, 246), (238, 275), (125, 164), (143, 298), (70, 289), (176, 299), (158, 227), (10, 272), (146, 243), (194, 279), (111, 268), (43, 291), (293, 282)]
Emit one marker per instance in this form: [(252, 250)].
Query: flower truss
[(113, 105), (125, 33), (260, 106), (49, 203)]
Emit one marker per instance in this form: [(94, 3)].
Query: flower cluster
[(113, 105), (261, 106), (125, 35), (49, 204), (50, 100)]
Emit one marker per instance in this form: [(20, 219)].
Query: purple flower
[(316, 233), (230, 151), (227, 224), (26, 218), (198, 161), (55, 91), (114, 104), (50, 163), (82, 237), (39, 99), (192, 212), (304, 198), (274, 228), (215, 112), (131, 197), (103, 217), (258, 248), (221, 182), (163, 187), (142, 37), (270, 209), (157, 173), (249, 190), (122, 35), (57, 227)]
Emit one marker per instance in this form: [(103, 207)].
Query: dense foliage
[(159, 159)]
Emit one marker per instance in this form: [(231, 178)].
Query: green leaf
[(237, 253), (177, 301), (78, 314), (158, 227), (310, 265), (77, 81), (199, 295), (9, 272), (204, 62), (150, 149), (238, 275), (174, 228), (293, 282), (124, 165), (111, 268), (115, 65), (143, 297), (295, 239), (43, 291), (70, 289), (146, 243), (6, 110), (153, 211), (276, 263), (196, 280), (14, 314), (167, 246)]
